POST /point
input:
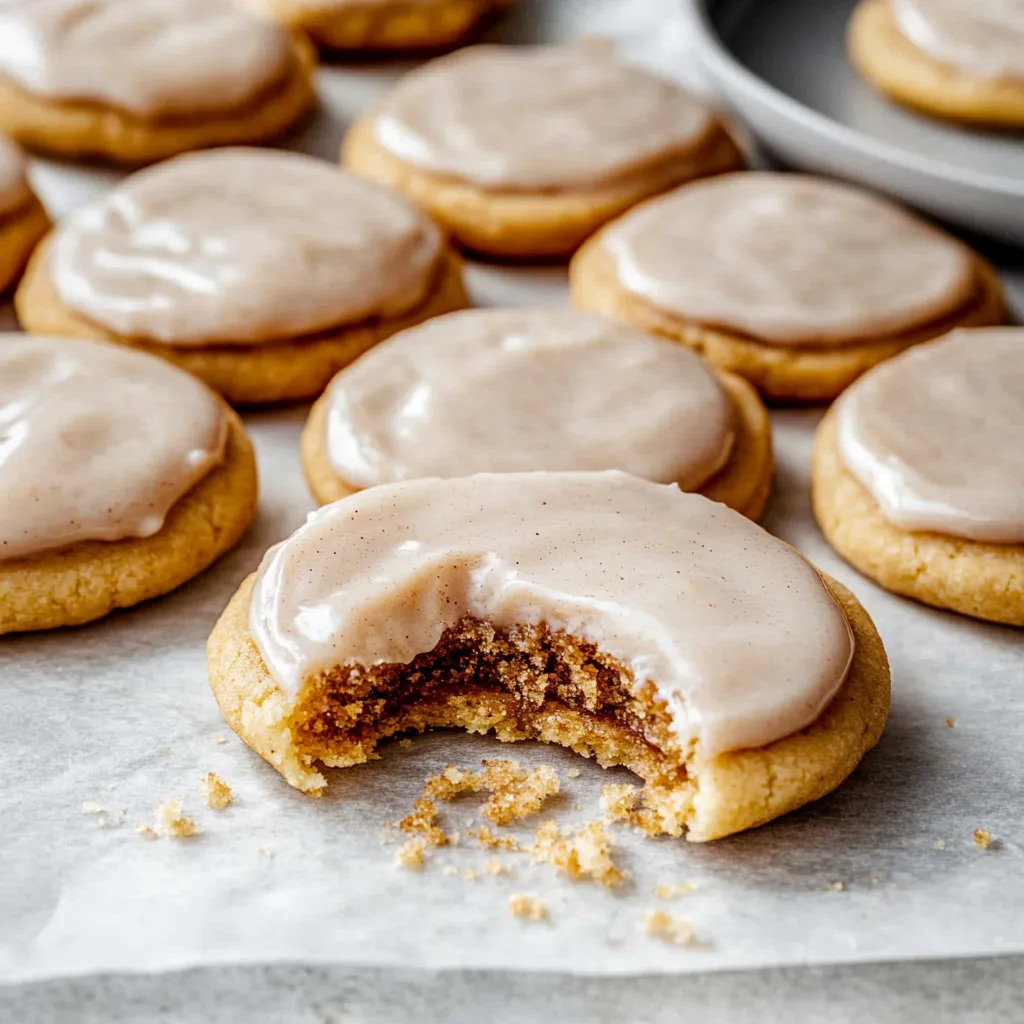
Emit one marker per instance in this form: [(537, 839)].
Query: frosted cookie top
[(937, 435), (736, 631), (982, 38), (537, 117), (510, 390), (147, 57), (236, 246), (789, 259), (14, 189), (99, 442)]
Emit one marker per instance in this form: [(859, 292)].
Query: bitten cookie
[(796, 283), (918, 476), (122, 476), (381, 25), (134, 81), (23, 220), (959, 59), (523, 151), (261, 272), (510, 390), (624, 619)]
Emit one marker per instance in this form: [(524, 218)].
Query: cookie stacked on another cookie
[(23, 221)]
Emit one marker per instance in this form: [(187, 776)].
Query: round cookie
[(135, 81), (23, 221), (957, 59), (494, 390), (918, 474), (621, 618), (798, 284), (265, 301), (123, 478), (381, 25), (524, 151)]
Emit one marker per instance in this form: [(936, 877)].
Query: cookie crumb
[(410, 853), (450, 783), (424, 820), (146, 831), (489, 841), (170, 820), (618, 802), (838, 886), (515, 792), (672, 892), (219, 737), (405, 743), (875, 879), (494, 867), (573, 773), (660, 925), (950, 723), (529, 907), (982, 839), (585, 854), (216, 792), (939, 844)]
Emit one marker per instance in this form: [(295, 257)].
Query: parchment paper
[(119, 715)]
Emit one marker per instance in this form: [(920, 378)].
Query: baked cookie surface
[(264, 302), (479, 140), (774, 704), (23, 221), (957, 59), (123, 478), (521, 390), (796, 283), (918, 474), (198, 73)]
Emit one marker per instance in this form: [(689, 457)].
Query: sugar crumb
[(92, 808), (982, 839), (216, 792), (660, 925), (618, 802), (529, 907), (410, 853), (672, 892), (583, 854), (219, 737), (171, 821)]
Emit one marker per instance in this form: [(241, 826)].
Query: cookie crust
[(525, 225), (262, 373), (892, 64), (20, 231), (983, 580), (743, 483), (85, 581), (779, 373)]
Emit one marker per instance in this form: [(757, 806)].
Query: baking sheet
[(119, 715)]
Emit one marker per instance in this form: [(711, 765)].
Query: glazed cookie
[(261, 272), (122, 477), (381, 25), (625, 619), (918, 476), (959, 59), (134, 81), (523, 151), (509, 390), (797, 283), (23, 220)]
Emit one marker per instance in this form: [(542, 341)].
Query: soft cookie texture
[(512, 390), (478, 139), (795, 283), (887, 58), (743, 748), (292, 291), (23, 221), (112, 530), (381, 25), (198, 73)]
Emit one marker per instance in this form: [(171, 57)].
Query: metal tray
[(782, 66)]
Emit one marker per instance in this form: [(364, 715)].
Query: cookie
[(524, 151), (197, 73), (381, 25), (261, 272), (796, 283), (918, 475), (957, 59), (512, 390), (23, 220), (123, 477), (625, 619)]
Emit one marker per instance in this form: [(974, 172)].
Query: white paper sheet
[(119, 714)]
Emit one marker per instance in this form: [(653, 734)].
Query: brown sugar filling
[(524, 682)]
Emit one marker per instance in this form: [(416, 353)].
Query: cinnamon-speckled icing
[(537, 117), (238, 246), (97, 442), (504, 390), (981, 38), (790, 260), (737, 632), (14, 190), (937, 435), (151, 58)]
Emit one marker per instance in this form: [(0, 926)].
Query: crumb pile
[(216, 791), (584, 853), (660, 925), (514, 792)]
